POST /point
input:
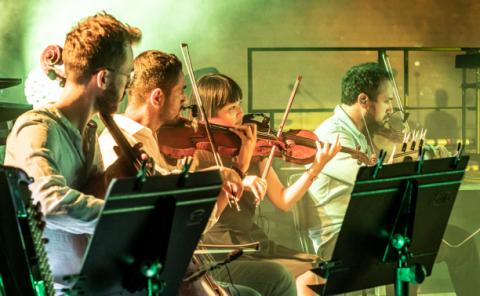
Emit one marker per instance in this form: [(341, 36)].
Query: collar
[(346, 122), (131, 126)]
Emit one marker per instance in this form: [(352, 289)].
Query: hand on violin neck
[(248, 136), (141, 155), (257, 186), (324, 154)]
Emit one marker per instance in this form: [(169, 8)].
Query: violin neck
[(302, 141), (126, 149), (349, 150)]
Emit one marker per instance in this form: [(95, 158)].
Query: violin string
[(207, 259)]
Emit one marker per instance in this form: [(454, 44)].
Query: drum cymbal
[(8, 82)]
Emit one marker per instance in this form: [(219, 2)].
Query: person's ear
[(363, 99), (102, 79), (157, 98)]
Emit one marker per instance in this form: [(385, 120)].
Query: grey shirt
[(45, 144)]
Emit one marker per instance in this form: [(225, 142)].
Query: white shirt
[(331, 190)]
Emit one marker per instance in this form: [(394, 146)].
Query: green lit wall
[(220, 31)]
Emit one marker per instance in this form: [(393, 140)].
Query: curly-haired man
[(57, 145)]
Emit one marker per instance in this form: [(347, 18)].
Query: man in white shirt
[(57, 145), (366, 103)]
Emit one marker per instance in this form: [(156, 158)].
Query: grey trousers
[(266, 277)]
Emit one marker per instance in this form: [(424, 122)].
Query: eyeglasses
[(129, 75)]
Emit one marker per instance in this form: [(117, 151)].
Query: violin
[(182, 138), (296, 145), (391, 136)]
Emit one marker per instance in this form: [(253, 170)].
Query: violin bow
[(196, 94), (282, 124), (396, 93)]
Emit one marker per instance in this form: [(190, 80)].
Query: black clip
[(420, 161), (182, 178), (458, 156), (141, 176), (379, 165)]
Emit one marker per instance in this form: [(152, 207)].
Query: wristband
[(238, 171)]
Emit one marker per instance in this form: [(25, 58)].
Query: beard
[(108, 102), (374, 125), (170, 112)]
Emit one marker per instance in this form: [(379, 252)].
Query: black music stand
[(393, 226), (24, 268), (146, 234)]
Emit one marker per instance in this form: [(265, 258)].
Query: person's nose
[(240, 113), (390, 108)]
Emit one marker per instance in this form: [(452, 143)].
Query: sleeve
[(32, 146), (338, 176), (343, 166)]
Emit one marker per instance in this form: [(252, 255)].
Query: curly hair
[(152, 69), (217, 91), (363, 78), (95, 42)]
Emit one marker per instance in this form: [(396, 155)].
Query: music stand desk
[(412, 198), (147, 230)]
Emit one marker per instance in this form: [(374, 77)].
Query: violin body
[(96, 185), (391, 142), (391, 138), (298, 146), (184, 137)]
